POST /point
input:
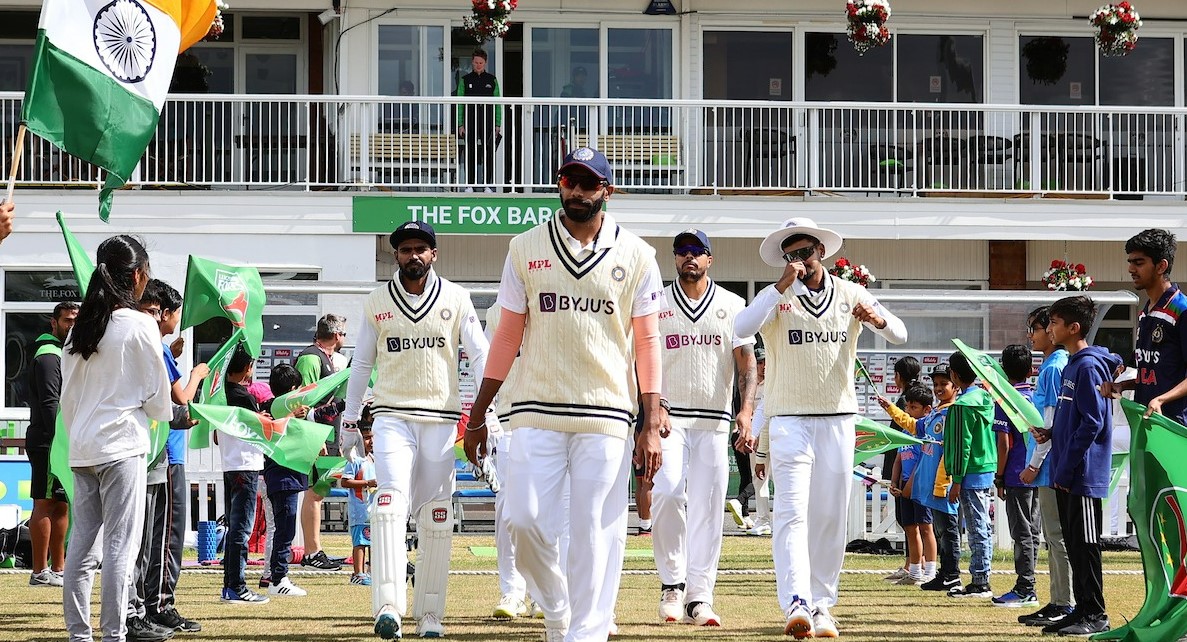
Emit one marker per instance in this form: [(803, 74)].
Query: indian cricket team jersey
[(1161, 351), (576, 365), (417, 349), (698, 363), (811, 342), (930, 484)]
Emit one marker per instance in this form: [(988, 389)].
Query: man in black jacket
[(51, 513), (480, 126)]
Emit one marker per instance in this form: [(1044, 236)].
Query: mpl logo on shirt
[(400, 344), (800, 337), (553, 302)]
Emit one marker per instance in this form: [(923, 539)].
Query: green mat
[(489, 551)]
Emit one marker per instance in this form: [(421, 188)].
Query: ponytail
[(112, 286)]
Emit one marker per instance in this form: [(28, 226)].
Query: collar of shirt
[(798, 287), (606, 237), (400, 283)]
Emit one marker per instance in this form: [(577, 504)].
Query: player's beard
[(578, 215), (414, 270), (692, 276)]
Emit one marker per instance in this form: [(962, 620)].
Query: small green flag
[(1020, 411), (213, 389), (309, 394), (59, 459), (874, 438), (1118, 465), (860, 372), (1157, 499), (79, 259), (292, 443), (329, 471), (216, 290)]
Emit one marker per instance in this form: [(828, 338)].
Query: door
[(273, 139)]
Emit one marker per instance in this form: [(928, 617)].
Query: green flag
[(1157, 498), (1118, 464), (79, 259), (213, 389), (860, 372), (216, 290), (292, 443), (329, 471), (874, 438), (59, 459), (1021, 412), (309, 395)]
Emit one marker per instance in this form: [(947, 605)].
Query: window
[(21, 329), (940, 68), (833, 70), (256, 54), (1057, 70), (565, 62), (406, 68), (1145, 77), (41, 286), (747, 65)]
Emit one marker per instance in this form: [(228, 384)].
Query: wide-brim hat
[(771, 249)]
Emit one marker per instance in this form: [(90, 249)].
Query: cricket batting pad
[(389, 553), (434, 526)]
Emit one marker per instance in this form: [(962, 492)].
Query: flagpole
[(18, 150)]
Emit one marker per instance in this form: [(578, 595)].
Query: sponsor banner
[(454, 214)]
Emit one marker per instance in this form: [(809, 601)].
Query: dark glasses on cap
[(694, 250)]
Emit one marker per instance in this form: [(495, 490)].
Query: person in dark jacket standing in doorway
[(479, 126)]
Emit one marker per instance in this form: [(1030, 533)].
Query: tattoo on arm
[(747, 375)]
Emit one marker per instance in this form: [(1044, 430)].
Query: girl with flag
[(113, 383)]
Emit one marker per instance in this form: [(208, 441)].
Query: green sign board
[(454, 214)]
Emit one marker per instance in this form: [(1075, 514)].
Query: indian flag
[(101, 71)]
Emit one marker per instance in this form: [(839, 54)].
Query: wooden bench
[(408, 152), (650, 156)]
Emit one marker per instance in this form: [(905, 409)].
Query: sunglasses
[(800, 255), (690, 250), (585, 182)]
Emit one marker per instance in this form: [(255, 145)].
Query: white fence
[(509, 144)]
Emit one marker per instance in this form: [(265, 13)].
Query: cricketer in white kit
[(810, 322), (580, 298), (700, 357), (411, 330)]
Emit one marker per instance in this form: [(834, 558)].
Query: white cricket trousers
[(545, 465), (688, 509), (511, 581), (812, 466), (415, 458)]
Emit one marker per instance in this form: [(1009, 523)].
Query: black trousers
[(947, 528), (177, 505), (148, 574), (1080, 518), (480, 156)]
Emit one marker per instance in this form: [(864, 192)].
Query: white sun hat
[(771, 249)]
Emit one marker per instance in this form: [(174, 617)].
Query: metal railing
[(673, 146)]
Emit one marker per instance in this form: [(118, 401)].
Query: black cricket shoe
[(171, 619), (1047, 615), (1086, 626), (321, 562), (143, 630), (946, 584)]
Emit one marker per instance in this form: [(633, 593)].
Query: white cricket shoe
[(762, 526), (285, 587), (429, 626), (387, 624), (537, 612), (671, 605), (510, 607), (799, 622), (703, 615), (554, 635), (824, 624), (735, 508)]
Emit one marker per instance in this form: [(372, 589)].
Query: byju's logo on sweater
[(800, 337), (398, 344), (553, 302), (676, 341)]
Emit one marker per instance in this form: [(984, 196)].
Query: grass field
[(336, 611)]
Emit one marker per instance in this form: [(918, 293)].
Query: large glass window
[(406, 68), (1057, 70), (1145, 77), (748, 65), (565, 62), (15, 60), (639, 65), (940, 68), (833, 70), (21, 329)]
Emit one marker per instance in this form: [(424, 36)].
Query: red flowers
[(842, 262)]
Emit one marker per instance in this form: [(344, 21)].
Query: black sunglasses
[(800, 255), (585, 182), (693, 250)]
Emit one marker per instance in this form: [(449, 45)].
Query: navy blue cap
[(590, 159), (414, 230), (692, 236)]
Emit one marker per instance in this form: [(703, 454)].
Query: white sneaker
[(488, 191), (824, 624), (537, 612), (897, 575), (671, 605), (286, 587), (703, 615), (510, 607), (555, 635), (911, 580), (47, 577), (799, 622), (429, 626), (735, 508), (762, 526)]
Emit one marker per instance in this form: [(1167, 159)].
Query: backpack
[(16, 547)]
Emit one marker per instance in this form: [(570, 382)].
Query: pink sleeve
[(647, 359), (504, 346)]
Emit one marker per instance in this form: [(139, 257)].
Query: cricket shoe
[(387, 624), (735, 508), (701, 614), (762, 526), (430, 626), (671, 604), (799, 621), (823, 624), (510, 607)]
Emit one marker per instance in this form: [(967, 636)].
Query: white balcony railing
[(676, 146)]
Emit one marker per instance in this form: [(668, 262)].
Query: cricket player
[(589, 294), (810, 322), (411, 330), (700, 356)]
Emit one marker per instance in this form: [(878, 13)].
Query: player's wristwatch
[(663, 403)]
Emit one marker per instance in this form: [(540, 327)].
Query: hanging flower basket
[(867, 24), (217, 26), (1116, 28), (489, 20), (858, 274), (1064, 276), (1046, 59)]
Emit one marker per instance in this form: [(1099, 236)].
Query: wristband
[(663, 403)]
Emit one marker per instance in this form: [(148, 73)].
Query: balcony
[(240, 142)]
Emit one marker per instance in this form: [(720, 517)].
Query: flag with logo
[(1157, 501), (79, 259), (874, 438), (99, 76), (1019, 410), (216, 290), (214, 388), (329, 471), (290, 442), (309, 395), (860, 372)]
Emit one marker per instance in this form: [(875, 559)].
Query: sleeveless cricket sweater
[(698, 356), (576, 370), (811, 345), (417, 350)]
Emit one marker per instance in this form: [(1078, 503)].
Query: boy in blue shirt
[(283, 485), (1022, 504), (915, 518), (359, 477), (1082, 441), (928, 486)]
